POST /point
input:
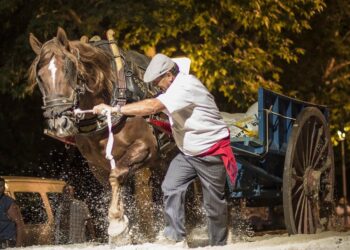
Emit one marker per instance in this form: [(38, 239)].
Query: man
[(11, 222), (72, 219), (342, 210), (203, 139)]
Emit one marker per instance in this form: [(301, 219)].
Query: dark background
[(194, 29)]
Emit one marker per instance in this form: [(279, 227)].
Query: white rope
[(109, 147), (79, 111), (110, 141)]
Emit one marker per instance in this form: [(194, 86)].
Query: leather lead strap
[(121, 97)]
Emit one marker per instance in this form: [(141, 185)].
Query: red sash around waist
[(224, 149)]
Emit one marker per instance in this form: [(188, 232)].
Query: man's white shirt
[(194, 117)]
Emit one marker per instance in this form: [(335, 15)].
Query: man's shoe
[(163, 240)]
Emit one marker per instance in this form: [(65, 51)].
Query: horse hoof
[(119, 241), (118, 226), (118, 232)]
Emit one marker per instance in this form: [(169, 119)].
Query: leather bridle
[(56, 107)]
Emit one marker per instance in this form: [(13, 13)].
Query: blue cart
[(290, 163)]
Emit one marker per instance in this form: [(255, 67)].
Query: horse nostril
[(50, 124), (64, 123)]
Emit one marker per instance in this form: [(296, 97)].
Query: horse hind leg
[(143, 210)]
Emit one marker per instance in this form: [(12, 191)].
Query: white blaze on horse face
[(53, 69)]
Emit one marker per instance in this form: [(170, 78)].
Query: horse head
[(60, 70)]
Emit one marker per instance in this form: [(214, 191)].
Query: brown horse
[(75, 74)]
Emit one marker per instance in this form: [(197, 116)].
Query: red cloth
[(224, 149), (165, 126)]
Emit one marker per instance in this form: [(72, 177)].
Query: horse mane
[(92, 63)]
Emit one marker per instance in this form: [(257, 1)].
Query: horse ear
[(62, 37), (35, 44)]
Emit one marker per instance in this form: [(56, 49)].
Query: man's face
[(164, 81), (2, 187), (71, 191)]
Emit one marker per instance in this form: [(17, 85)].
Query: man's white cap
[(159, 65)]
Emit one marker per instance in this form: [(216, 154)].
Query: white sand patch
[(322, 241)]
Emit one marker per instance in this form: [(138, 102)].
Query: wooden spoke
[(299, 167), (297, 177), (298, 190), (300, 224), (319, 135), (324, 147), (308, 143), (313, 144), (310, 218), (326, 167), (300, 199)]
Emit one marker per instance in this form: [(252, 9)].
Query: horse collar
[(97, 124)]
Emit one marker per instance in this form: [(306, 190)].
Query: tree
[(322, 74), (235, 46)]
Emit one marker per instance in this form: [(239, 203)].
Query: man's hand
[(102, 108)]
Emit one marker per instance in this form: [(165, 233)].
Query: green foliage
[(233, 44), (322, 73), (298, 47)]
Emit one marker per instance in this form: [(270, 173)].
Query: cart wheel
[(308, 177)]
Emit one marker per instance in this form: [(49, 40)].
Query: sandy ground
[(325, 240)]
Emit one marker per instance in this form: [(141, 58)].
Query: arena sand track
[(321, 241)]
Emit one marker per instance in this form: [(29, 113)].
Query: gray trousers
[(212, 174)]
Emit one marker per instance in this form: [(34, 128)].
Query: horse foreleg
[(116, 209), (135, 156), (118, 222)]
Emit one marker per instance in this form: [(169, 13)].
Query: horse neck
[(97, 72), (89, 100)]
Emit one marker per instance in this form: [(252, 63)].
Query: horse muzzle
[(62, 126)]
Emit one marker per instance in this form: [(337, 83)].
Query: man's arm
[(14, 214), (141, 108)]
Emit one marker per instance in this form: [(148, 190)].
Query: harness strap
[(110, 141), (121, 97)]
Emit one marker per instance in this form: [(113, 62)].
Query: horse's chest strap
[(110, 141)]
